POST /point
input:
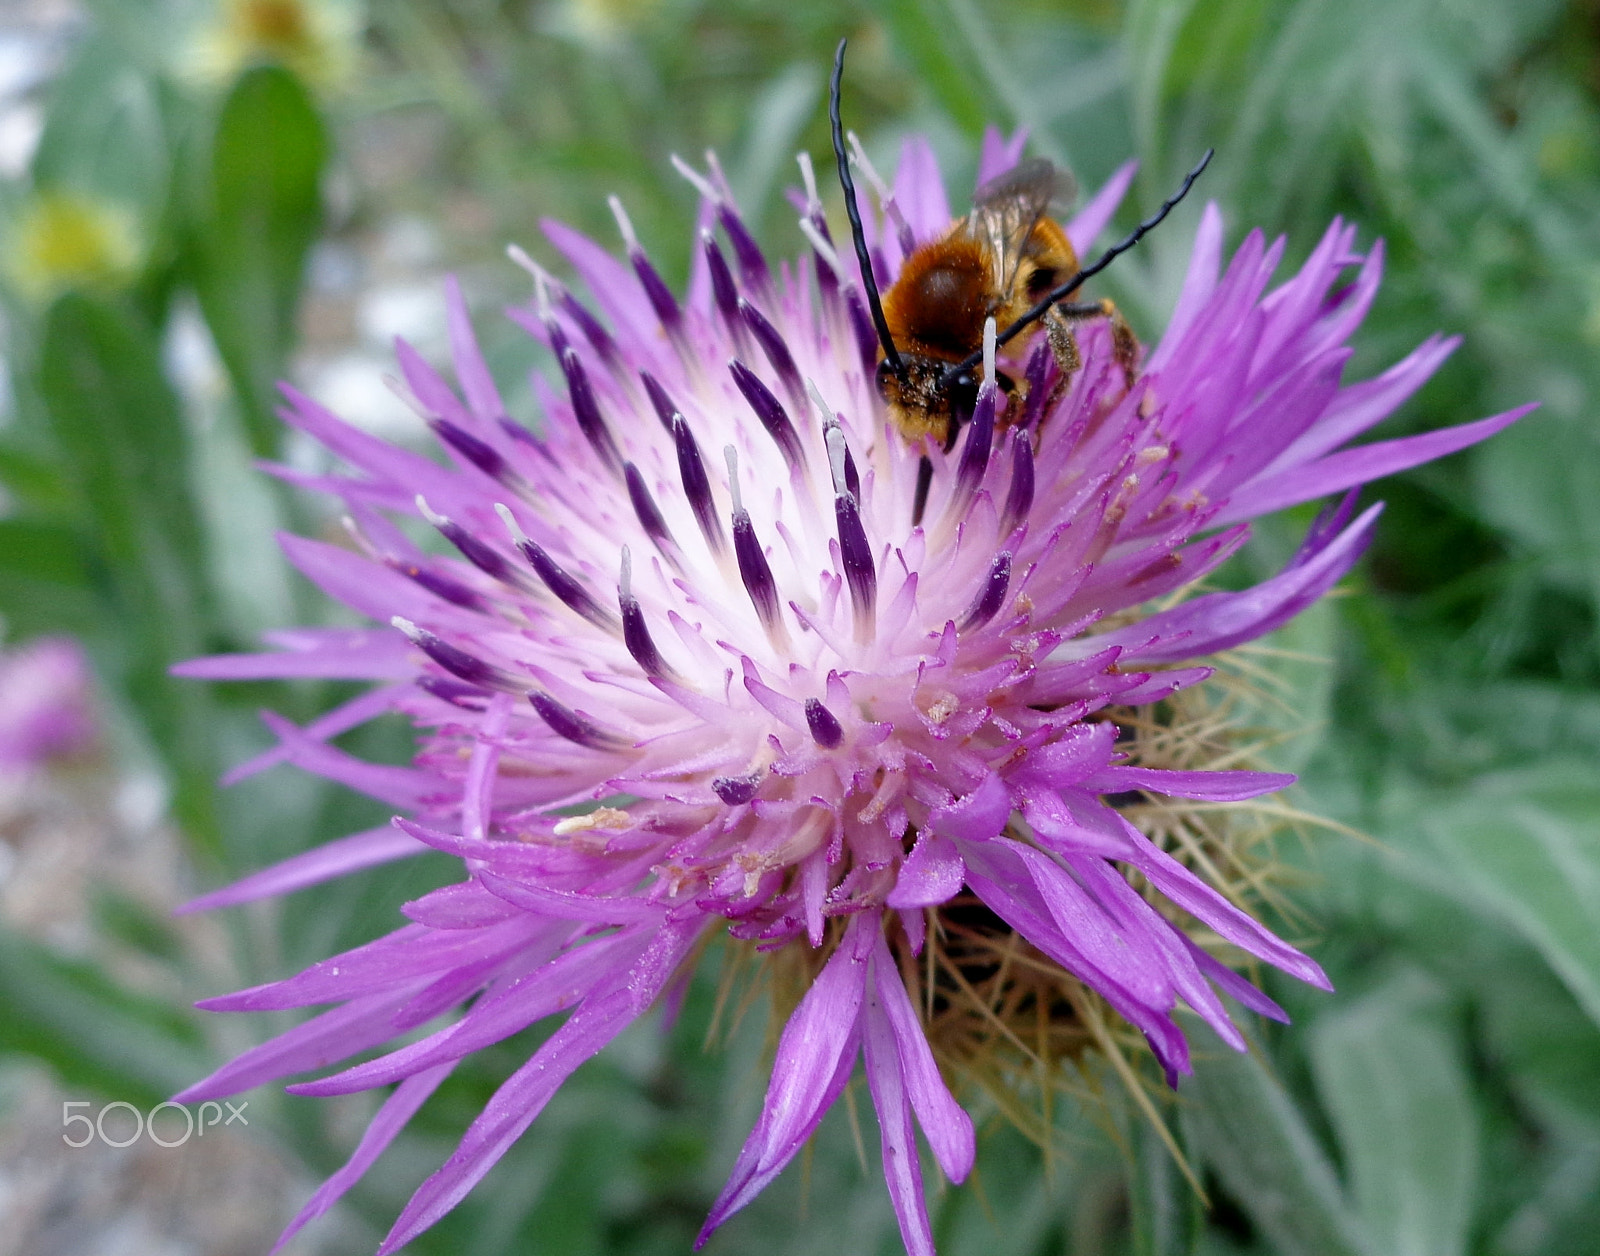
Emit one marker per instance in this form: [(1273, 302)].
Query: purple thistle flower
[(830, 731), (46, 709)]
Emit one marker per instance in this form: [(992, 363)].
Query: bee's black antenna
[(1081, 277), (857, 234)]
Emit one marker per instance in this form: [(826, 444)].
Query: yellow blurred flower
[(316, 39), (63, 240)]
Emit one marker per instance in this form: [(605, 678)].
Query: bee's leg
[(1124, 344)]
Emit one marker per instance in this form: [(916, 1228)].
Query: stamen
[(587, 410), (565, 722), (650, 517), (541, 279), (1019, 501), (452, 591), (458, 662), (730, 455), (481, 454), (624, 224), (825, 727), (808, 177), (566, 589), (694, 178), (658, 398), (723, 290), (772, 344), (986, 605), (988, 349), (635, 632), (754, 569), (859, 571), (738, 790), (825, 250), (886, 201), (475, 551), (696, 484), (980, 440), (842, 466), (774, 418)]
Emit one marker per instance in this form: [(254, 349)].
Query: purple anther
[(593, 330), (487, 560), (776, 350), (986, 605), (1037, 373), (696, 484), (455, 692), (980, 439), (1019, 501), (752, 262), (658, 399), (738, 790), (485, 457), (452, 591), (636, 636), (723, 290), (565, 722), (825, 726), (587, 410), (859, 571), (571, 594), (754, 570), (655, 288), (771, 413), (459, 663), (644, 505)]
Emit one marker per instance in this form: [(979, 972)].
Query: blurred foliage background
[(198, 198)]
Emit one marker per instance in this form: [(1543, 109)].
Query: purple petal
[(931, 874), (1364, 463), (815, 1056), (341, 719), (1209, 786), (512, 1108), (311, 867), (389, 1120), (919, 190), (1219, 621), (999, 153), (1091, 220), (948, 1128), (472, 373), (902, 1168), (977, 817)]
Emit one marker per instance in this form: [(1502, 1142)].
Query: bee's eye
[(1041, 281)]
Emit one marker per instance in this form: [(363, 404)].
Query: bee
[(1007, 260), (997, 262)]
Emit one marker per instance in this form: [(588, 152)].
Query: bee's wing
[(1006, 209)]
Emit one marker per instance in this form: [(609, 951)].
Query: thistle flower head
[(697, 597)]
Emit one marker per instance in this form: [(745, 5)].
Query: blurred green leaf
[(104, 133), (262, 212), (119, 426), (1527, 845), (90, 1029), (1241, 1122), (1392, 1079)]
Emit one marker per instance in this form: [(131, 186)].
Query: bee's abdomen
[(937, 305)]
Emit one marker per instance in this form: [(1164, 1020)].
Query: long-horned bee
[(1007, 260), (995, 263)]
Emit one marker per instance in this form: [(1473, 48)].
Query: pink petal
[(902, 1168), (931, 874)]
